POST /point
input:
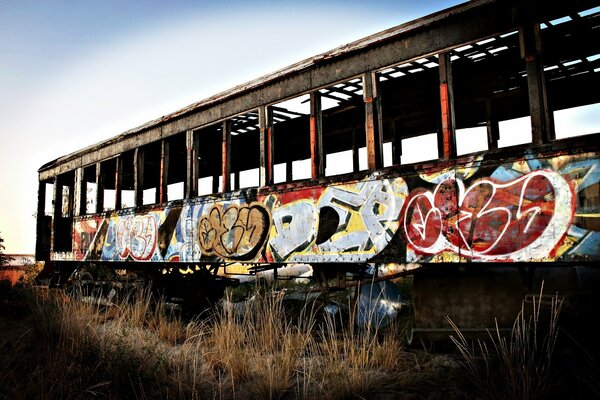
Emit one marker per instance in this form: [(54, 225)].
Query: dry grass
[(136, 350), (517, 366)]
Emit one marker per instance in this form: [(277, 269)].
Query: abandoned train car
[(317, 164)]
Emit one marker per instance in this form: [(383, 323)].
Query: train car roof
[(473, 19)]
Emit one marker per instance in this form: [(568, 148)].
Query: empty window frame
[(291, 139), (410, 107), (175, 166), (90, 189), (491, 100), (343, 126), (571, 60), (150, 161), (245, 150), (63, 211), (210, 155), (127, 180), (108, 170)]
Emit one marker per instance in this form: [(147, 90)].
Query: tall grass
[(517, 366), (137, 350)]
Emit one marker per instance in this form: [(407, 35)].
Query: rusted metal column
[(164, 172), (99, 189), (226, 157), (265, 123), (316, 136), (448, 139), (373, 121), (542, 121), (138, 176), (118, 181)]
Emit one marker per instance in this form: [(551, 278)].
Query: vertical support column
[(226, 157), (448, 139), (493, 129), (289, 173), (373, 122), (316, 136), (118, 181), (265, 123), (80, 196), (191, 180), (542, 121), (40, 250), (164, 172), (138, 177), (99, 189), (56, 212)]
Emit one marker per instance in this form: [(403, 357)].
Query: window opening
[(572, 72), (245, 150), (410, 108), (491, 100)]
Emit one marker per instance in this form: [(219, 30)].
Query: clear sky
[(73, 73)]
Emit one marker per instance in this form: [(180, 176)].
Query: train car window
[(343, 122), (107, 170), (48, 200), (151, 154), (410, 108), (245, 150), (90, 189), (291, 139), (571, 60), (490, 94), (176, 166), (210, 153), (127, 181)]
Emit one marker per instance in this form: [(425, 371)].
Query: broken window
[(245, 150), (571, 60), (343, 122), (291, 139), (90, 189), (127, 180), (491, 100), (108, 171), (210, 154), (150, 160), (410, 108), (175, 166)]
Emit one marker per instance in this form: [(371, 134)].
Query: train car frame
[(306, 166)]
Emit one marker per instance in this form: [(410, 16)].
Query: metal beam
[(373, 122), (448, 133), (138, 176), (162, 191), (316, 136), (226, 157), (99, 188)]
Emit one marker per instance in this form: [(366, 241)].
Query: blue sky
[(73, 73)]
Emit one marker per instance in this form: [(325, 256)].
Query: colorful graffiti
[(544, 209), (351, 222), (234, 232), (521, 220)]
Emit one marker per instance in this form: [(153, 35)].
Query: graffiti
[(234, 232), (136, 236), (184, 245), (367, 218), (527, 210), (521, 220), (295, 226)]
